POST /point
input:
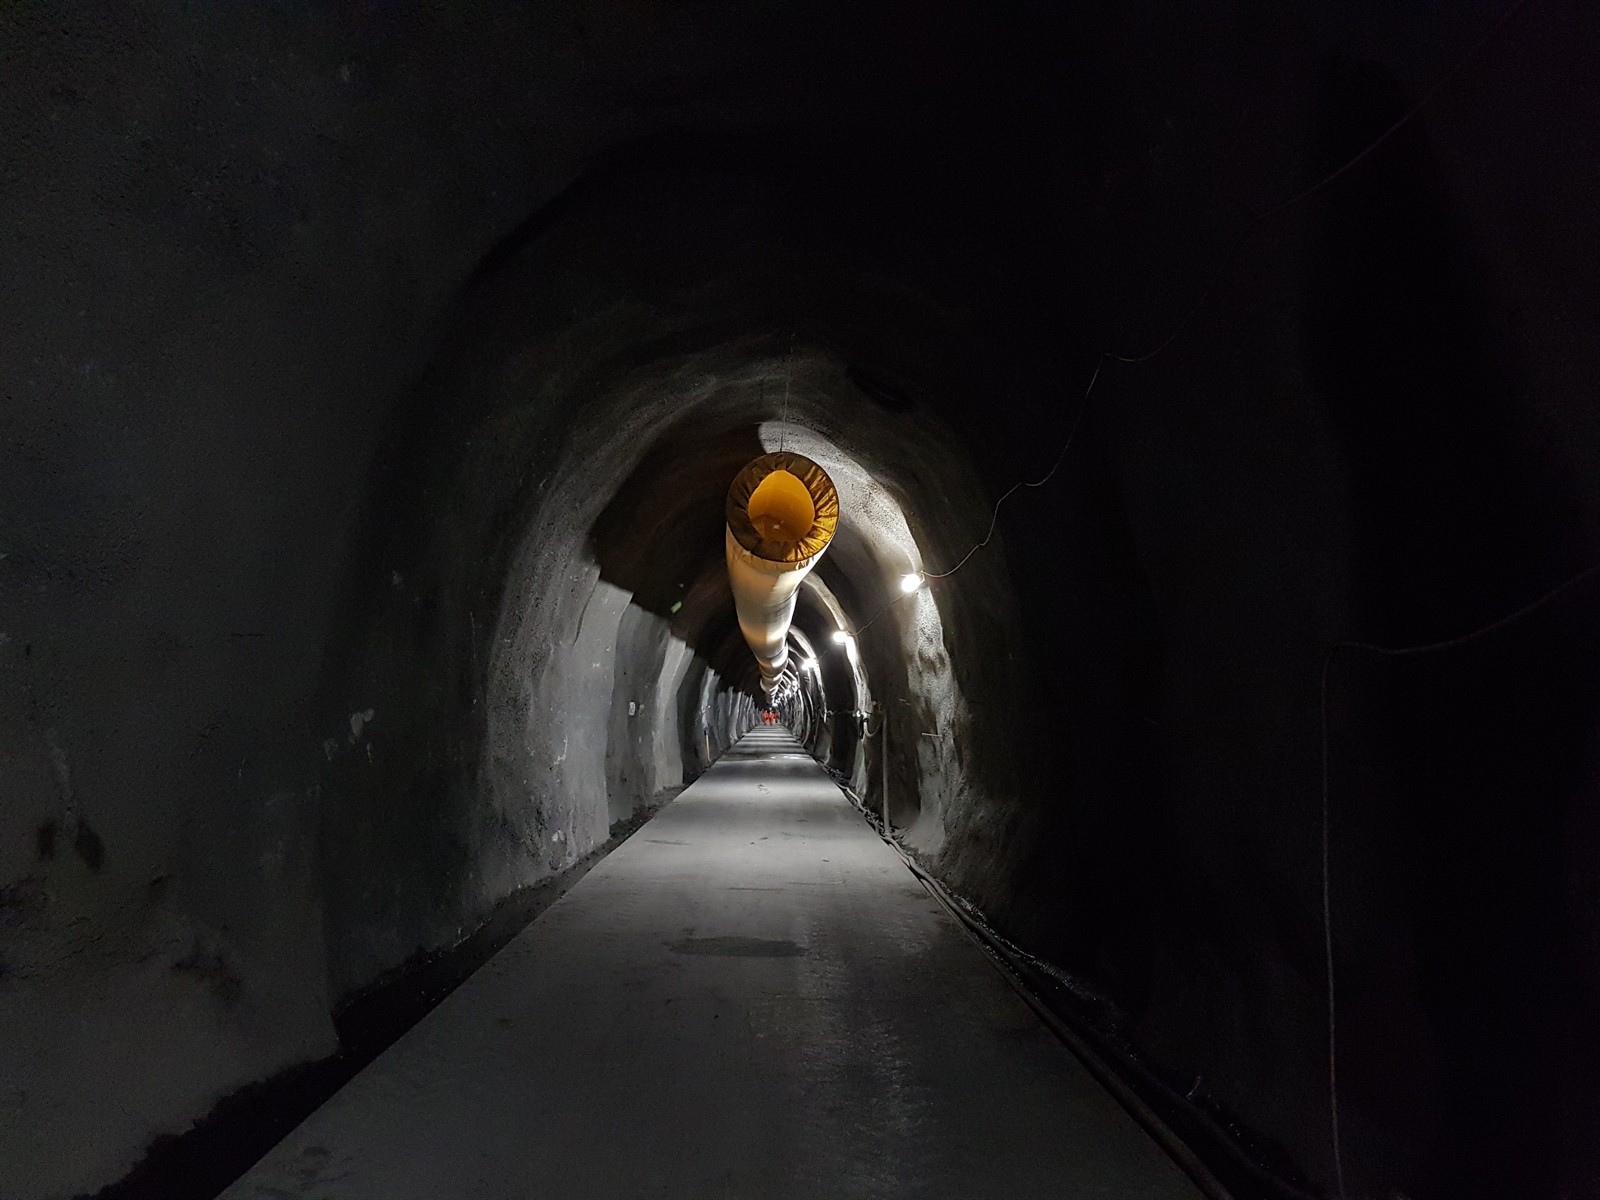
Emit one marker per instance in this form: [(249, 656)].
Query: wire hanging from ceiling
[(788, 373)]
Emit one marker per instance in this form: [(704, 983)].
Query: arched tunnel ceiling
[(655, 476), (659, 538), (606, 380)]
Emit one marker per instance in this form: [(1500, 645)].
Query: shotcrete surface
[(751, 997)]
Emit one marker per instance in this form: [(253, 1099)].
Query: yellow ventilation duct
[(782, 510)]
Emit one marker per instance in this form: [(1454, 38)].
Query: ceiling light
[(910, 583)]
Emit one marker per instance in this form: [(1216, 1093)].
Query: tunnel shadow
[(659, 539), (1457, 968), (662, 533)]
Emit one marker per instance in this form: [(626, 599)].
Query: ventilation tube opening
[(782, 510)]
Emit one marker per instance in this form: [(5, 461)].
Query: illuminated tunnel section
[(375, 379), (582, 660), (666, 616)]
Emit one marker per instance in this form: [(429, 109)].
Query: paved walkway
[(749, 998)]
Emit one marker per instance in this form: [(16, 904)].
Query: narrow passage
[(751, 997)]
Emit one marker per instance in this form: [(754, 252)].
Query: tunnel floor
[(752, 997)]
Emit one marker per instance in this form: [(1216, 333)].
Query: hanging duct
[(782, 510)]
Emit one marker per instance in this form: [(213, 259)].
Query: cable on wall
[(1221, 272), (1464, 639), (1226, 262)]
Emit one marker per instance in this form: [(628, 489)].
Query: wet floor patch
[(738, 947)]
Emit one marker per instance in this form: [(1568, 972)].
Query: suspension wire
[(788, 374)]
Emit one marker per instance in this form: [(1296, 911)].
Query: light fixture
[(910, 583), (808, 664), (840, 636)]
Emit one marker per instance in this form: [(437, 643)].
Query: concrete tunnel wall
[(339, 335)]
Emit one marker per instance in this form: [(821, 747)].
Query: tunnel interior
[(370, 413)]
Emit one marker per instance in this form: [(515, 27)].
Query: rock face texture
[(372, 381)]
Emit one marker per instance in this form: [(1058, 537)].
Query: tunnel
[(1186, 770)]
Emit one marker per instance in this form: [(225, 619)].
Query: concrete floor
[(751, 997)]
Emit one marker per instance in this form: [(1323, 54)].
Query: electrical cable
[(1483, 631), (1217, 275), (1018, 967), (1061, 455), (1222, 270), (1225, 264)]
